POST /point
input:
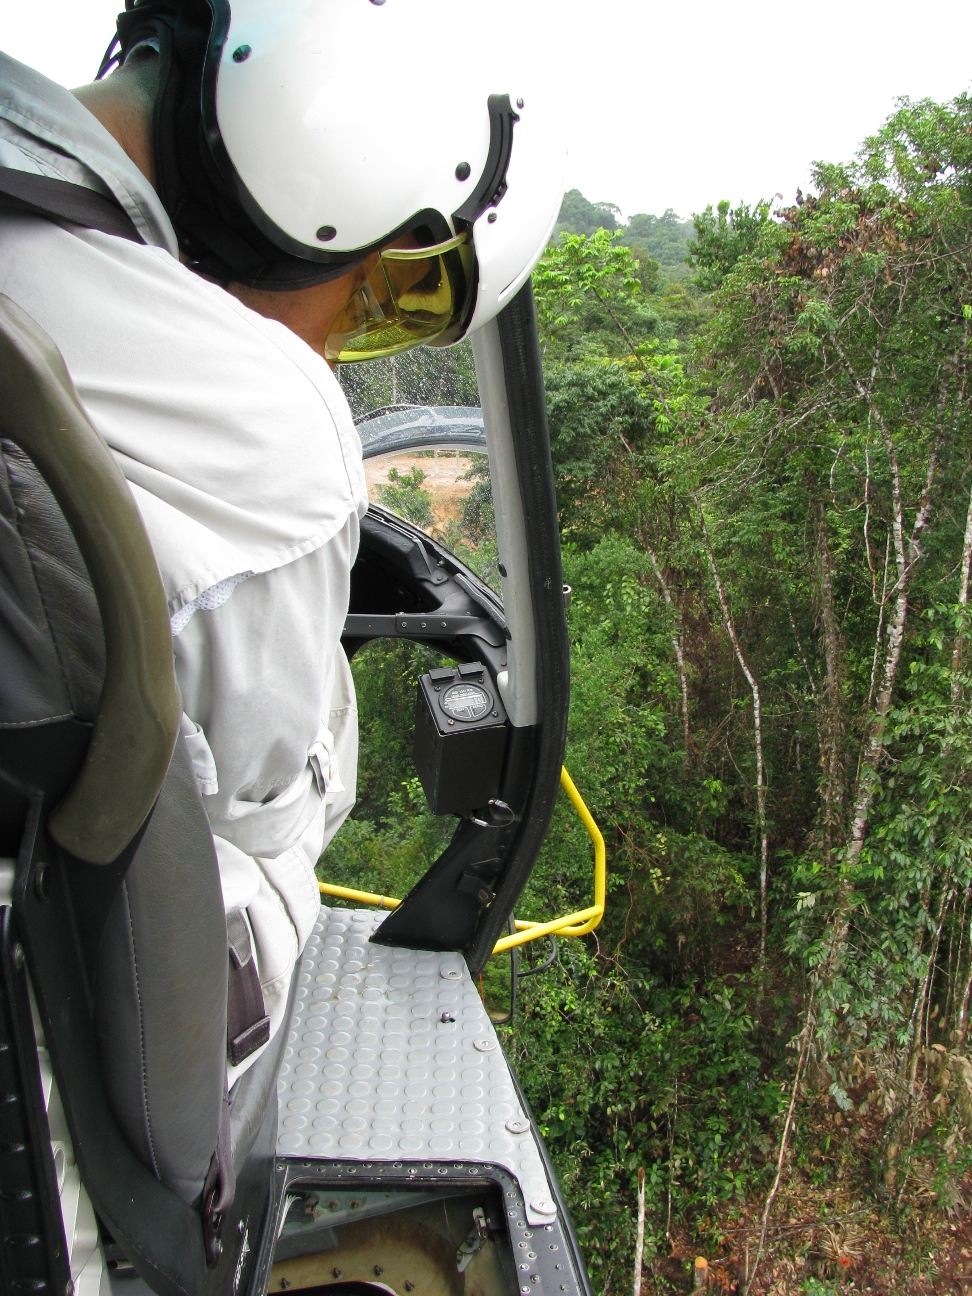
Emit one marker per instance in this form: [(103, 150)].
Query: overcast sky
[(672, 105)]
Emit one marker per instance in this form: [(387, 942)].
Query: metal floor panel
[(375, 1070)]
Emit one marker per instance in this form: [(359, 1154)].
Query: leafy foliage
[(803, 438), (404, 494)]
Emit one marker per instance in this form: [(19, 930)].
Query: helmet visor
[(413, 295)]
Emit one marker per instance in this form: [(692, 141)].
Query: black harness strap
[(37, 195), (247, 1023)]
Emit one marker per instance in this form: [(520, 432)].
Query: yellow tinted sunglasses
[(413, 295)]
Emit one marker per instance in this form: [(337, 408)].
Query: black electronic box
[(460, 738)]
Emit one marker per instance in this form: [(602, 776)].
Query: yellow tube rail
[(574, 924)]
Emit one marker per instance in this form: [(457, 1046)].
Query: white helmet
[(296, 138)]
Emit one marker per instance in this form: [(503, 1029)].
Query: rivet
[(284, 1284), (543, 1206), (487, 1046), (517, 1125), (378, 1271), (336, 1272), (409, 1286), (519, 103), (18, 955), (447, 1017), (491, 218), (463, 171), (326, 233), (42, 881), (241, 53)]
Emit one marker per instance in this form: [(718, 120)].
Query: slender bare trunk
[(805, 1037), (963, 599), (758, 737), (962, 1023), (963, 592), (640, 1236), (830, 709), (678, 644), (907, 554)]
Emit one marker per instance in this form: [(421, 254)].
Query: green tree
[(404, 494), (580, 216)]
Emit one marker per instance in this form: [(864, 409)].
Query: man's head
[(292, 144), (124, 102)]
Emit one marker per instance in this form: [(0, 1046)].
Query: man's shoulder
[(46, 130)]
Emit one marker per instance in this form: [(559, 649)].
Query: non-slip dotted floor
[(374, 1070)]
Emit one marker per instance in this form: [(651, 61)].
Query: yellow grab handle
[(574, 924)]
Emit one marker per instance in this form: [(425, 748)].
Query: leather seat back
[(160, 978)]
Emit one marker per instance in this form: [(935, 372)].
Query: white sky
[(675, 105)]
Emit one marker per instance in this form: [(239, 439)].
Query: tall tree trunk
[(758, 738), (830, 701), (963, 600), (678, 645), (907, 553)]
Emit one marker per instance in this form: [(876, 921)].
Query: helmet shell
[(347, 121)]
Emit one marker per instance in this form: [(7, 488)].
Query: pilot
[(235, 205)]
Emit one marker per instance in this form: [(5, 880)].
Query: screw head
[(517, 1125), (326, 233), (336, 1272), (448, 1017), (242, 53), (543, 1206), (451, 974), (491, 218), (378, 1271), (519, 103), (463, 171), (42, 881), (486, 1045)]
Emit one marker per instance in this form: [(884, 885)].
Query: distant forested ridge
[(664, 238), (764, 475)]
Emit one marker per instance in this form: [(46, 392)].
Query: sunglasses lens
[(403, 303)]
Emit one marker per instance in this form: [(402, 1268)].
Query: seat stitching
[(141, 1037), (33, 571)]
